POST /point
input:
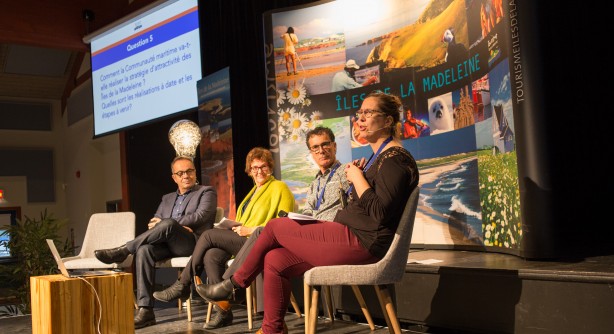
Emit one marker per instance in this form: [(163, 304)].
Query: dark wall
[(148, 166), (572, 79), (231, 35)]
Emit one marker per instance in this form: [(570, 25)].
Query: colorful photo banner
[(449, 61)]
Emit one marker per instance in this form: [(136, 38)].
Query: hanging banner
[(215, 123), (454, 67)]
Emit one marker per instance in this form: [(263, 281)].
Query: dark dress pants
[(165, 240)]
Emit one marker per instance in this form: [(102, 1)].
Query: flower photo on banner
[(294, 119)]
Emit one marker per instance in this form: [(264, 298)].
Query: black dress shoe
[(223, 290), (177, 290), (112, 255), (219, 319), (144, 317)]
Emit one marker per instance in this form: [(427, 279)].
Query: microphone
[(373, 131)]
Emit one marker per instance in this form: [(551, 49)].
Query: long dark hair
[(290, 30)]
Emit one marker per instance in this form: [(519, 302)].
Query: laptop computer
[(75, 273)]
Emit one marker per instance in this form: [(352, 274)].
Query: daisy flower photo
[(296, 95), (281, 97), (298, 123), (282, 132), (285, 115), (314, 120)]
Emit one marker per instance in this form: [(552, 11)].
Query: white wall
[(97, 161), (15, 187), (74, 149)]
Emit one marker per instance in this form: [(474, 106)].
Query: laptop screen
[(57, 257)]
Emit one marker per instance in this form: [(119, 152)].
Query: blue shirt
[(178, 207)]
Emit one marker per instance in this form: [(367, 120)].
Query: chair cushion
[(174, 262)]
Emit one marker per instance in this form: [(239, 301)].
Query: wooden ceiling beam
[(58, 24)]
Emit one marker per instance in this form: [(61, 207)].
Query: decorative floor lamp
[(185, 136)]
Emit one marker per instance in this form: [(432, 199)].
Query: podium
[(69, 305)]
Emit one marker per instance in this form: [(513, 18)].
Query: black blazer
[(199, 209)]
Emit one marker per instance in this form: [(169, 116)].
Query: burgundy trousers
[(287, 249)]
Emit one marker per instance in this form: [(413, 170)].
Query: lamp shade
[(184, 135)]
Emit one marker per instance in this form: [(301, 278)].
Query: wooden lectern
[(69, 305)]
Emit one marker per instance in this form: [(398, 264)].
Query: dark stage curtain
[(231, 36)]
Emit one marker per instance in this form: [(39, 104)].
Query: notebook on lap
[(74, 273)]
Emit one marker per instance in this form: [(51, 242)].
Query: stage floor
[(170, 320), (595, 267), (438, 264)]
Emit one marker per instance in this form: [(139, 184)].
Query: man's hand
[(189, 229), (153, 221)]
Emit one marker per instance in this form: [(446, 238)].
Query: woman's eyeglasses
[(324, 146), (189, 172), (263, 168), (368, 113)]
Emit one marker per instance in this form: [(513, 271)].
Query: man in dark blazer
[(180, 219)]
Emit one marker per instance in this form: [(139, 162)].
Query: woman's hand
[(243, 231), (353, 173), (355, 176), (360, 163)]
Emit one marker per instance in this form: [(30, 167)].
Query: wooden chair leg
[(188, 302), (363, 306), (328, 299), (250, 309), (254, 298), (198, 281), (136, 307), (313, 309), (306, 304), (385, 301), (189, 307), (297, 309)]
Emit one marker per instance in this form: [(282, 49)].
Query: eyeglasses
[(189, 172), (263, 168), (324, 146), (368, 113)]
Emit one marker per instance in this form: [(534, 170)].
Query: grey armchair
[(388, 270), (104, 230)]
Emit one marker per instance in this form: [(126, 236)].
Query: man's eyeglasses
[(189, 172), (324, 146), (262, 168), (368, 113)]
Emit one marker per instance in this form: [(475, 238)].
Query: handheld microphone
[(373, 131)]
